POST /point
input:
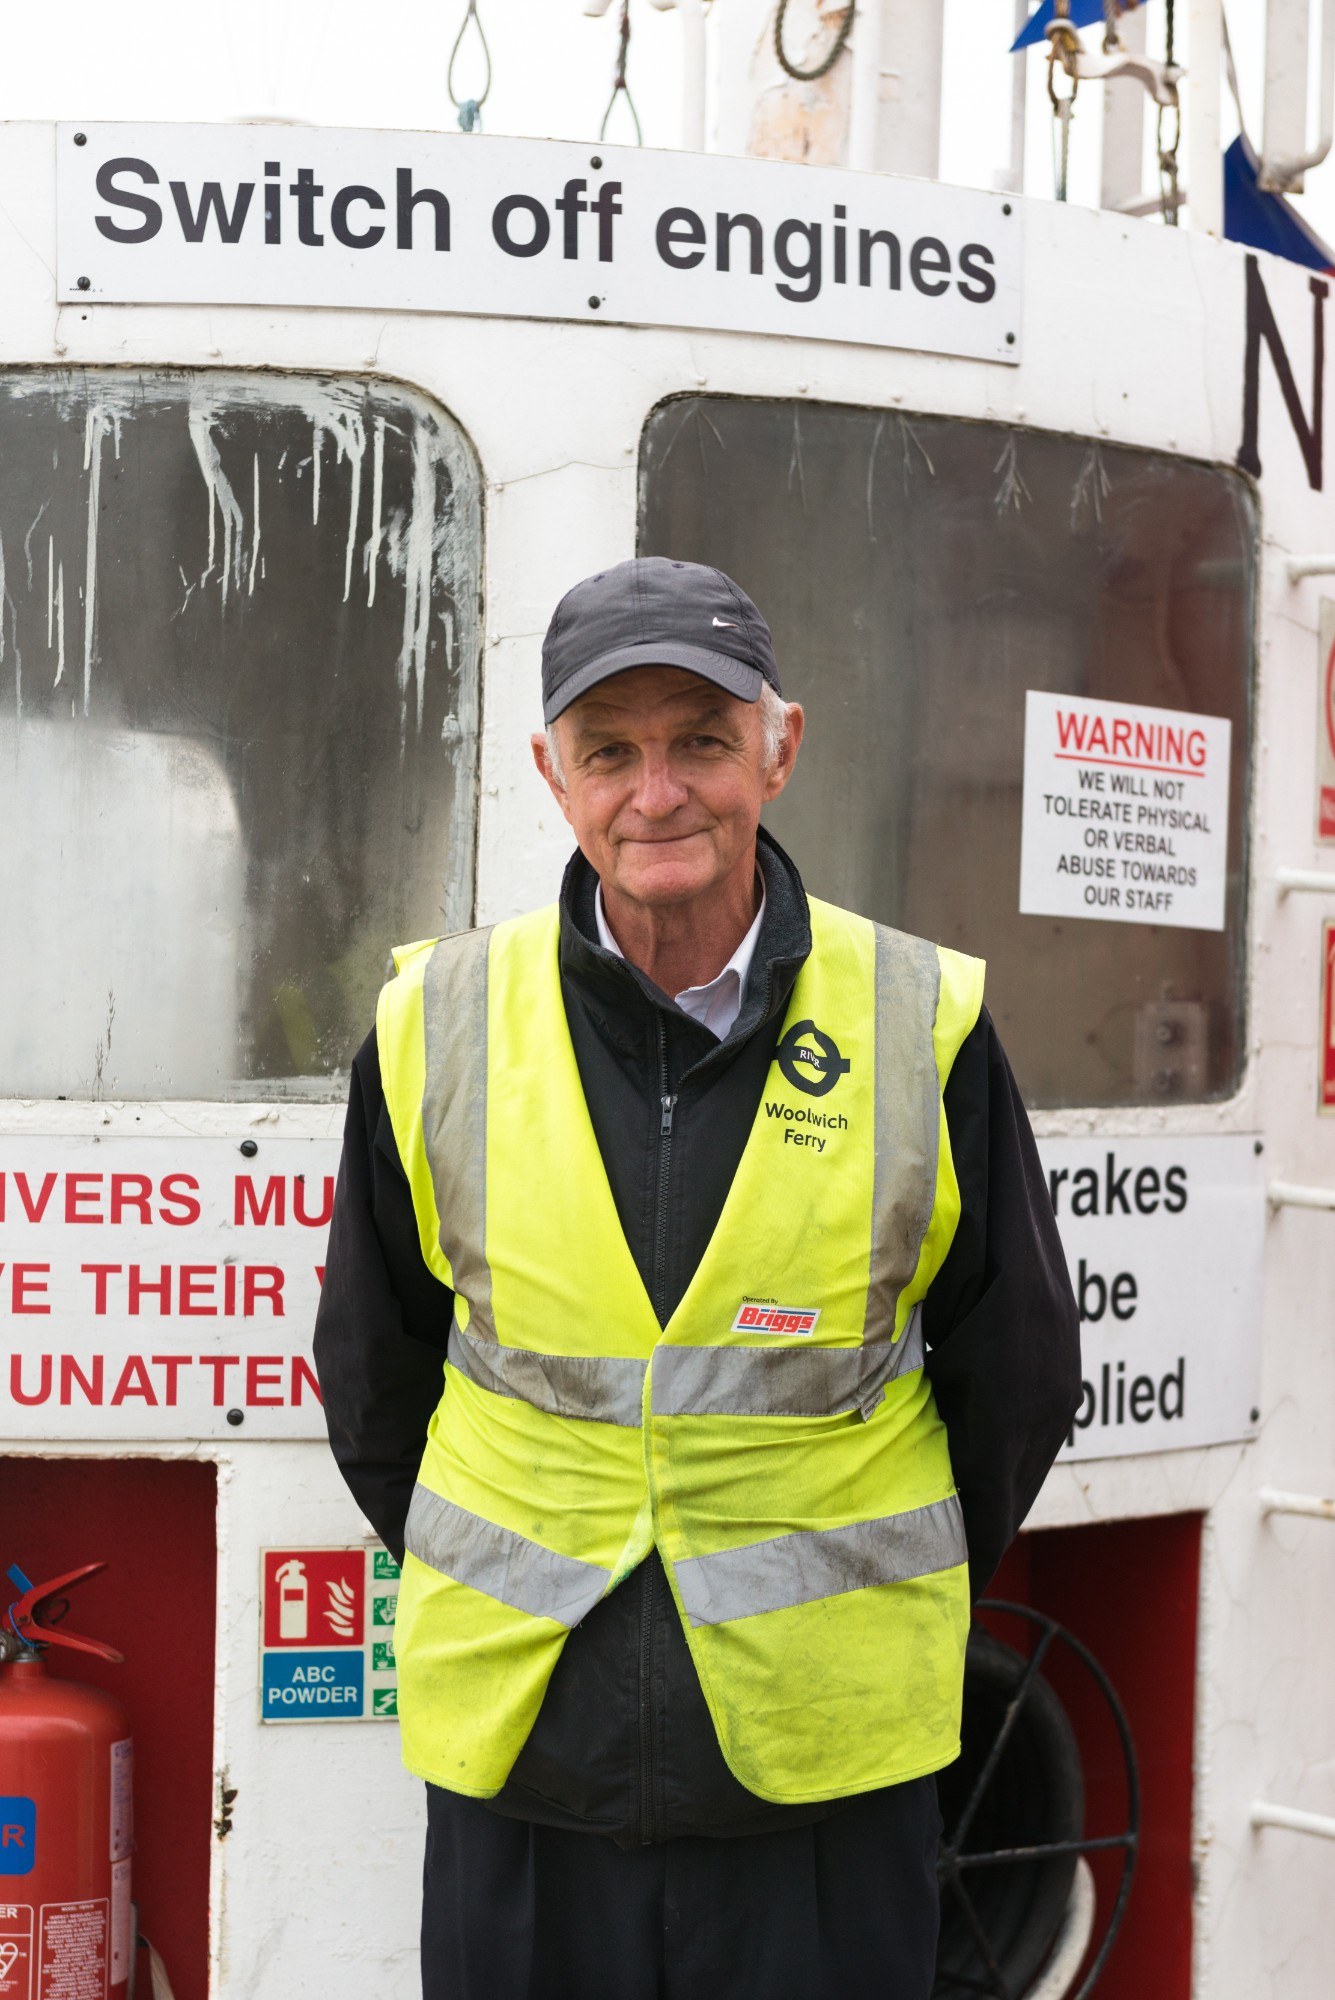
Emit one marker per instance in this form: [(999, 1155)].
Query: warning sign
[(1325, 729), (327, 1634), (1165, 1242), (161, 1288), (1125, 812), (72, 1954)]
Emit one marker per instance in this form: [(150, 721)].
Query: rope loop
[(832, 54), (1170, 193), (620, 87), (469, 108)]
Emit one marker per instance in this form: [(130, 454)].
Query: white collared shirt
[(717, 1004)]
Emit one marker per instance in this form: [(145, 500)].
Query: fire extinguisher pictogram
[(67, 1923)]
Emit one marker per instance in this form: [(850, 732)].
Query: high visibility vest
[(778, 1439)]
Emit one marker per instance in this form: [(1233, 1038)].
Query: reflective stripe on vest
[(797, 1569), (698, 1381), (601, 1388), (500, 1563), (818, 1568)]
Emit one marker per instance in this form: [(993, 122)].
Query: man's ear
[(781, 770), (542, 757)]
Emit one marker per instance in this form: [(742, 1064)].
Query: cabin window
[(921, 574), (239, 640)]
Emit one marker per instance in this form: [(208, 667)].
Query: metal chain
[(620, 87), (1170, 198), (469, 108), (1063, 47), (1112, 34), (1062, 138), (831, 56)]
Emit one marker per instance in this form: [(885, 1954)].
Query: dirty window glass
[(921, 574), (239, 630)]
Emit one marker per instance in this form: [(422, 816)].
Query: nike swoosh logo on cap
[(725, 625)]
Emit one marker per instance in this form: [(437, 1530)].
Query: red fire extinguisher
[(66, 1814)]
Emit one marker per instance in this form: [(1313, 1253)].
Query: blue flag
[(1266, 221), (1084, 13)]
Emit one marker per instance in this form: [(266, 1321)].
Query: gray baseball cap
[(653, 612)]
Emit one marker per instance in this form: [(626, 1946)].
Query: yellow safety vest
[(778, 1439)]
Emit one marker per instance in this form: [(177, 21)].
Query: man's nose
[(660, 791)]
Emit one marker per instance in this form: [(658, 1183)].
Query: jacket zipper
[(648, 1814), (667, 1103)]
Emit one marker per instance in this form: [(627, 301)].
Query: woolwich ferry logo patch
[(810, 1059), (763, 1316)]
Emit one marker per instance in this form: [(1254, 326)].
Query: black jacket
[(623, 1744)]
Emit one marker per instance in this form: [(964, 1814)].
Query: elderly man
[(721, 1207)]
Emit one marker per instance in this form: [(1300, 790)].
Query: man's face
[(663, 776)]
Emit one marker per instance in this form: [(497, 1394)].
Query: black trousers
[(843, 1908)]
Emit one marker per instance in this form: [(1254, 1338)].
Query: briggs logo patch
[(762, 1316)]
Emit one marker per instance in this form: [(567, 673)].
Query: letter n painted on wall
[(1262, 326)]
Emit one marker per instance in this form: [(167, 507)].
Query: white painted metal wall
[(1134, 334)]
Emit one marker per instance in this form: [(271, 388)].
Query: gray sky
[(320, 62)]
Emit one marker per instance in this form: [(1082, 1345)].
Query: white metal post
[(865, 102), (1124, 125), (1284, 128), (692, 74), (1314, 1506), (1319, 1824), (1200, 98), (908, 127), (1012, 176)]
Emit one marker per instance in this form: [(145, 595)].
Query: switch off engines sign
[(161, 1288), (1164, 1241), (1125, 813)]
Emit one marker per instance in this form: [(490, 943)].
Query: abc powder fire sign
[(327, 1634)]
